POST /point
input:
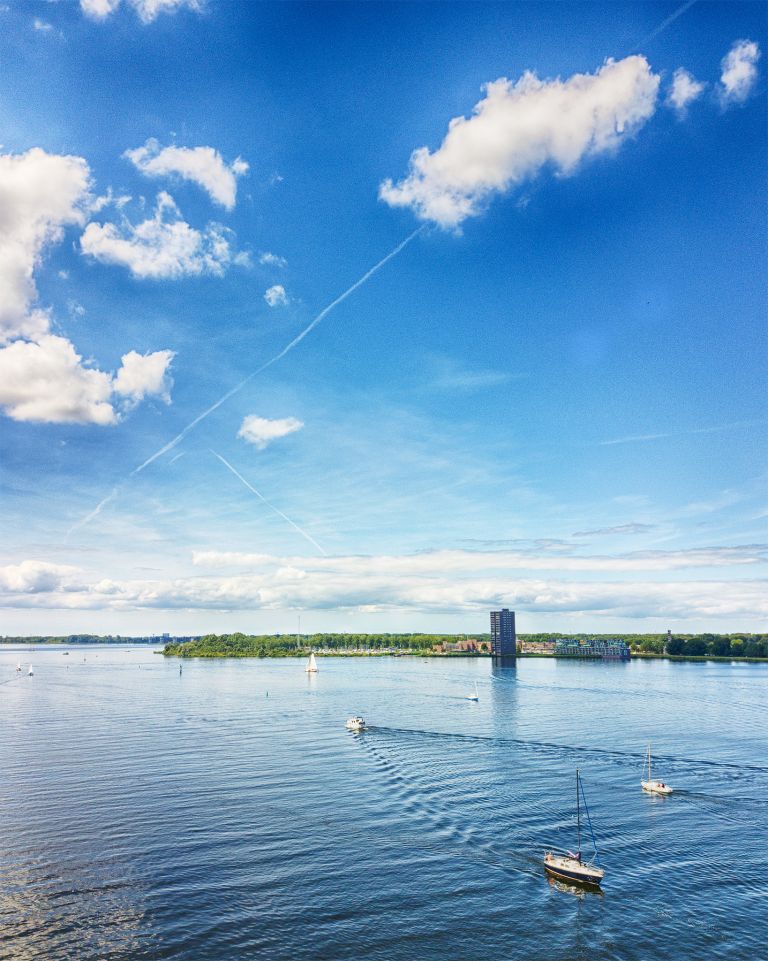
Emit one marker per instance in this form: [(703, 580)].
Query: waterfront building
[(613, 649), (503, 635)]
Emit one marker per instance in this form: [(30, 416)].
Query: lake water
[(225, 813)]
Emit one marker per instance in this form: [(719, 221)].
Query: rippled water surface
[(225, 813)]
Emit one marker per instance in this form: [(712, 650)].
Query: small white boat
[(30, 672), (649, 785), (18, 668), (355, 724), (311, 667), (473, 697), (570, 865)]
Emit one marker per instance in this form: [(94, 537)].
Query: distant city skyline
[(383, 316)]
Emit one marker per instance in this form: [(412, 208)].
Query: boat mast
[(578, 811), (649, 760)]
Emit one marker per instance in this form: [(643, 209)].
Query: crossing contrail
[(279, 356), (272, 507), (238, 387)]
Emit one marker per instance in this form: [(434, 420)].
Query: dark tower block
[(503, 636)]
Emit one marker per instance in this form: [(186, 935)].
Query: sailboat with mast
[(571, 865), (311, 667), (473, 697), (653, 787)]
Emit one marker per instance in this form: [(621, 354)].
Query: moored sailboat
[(570, 865), (653, 787), (473, 697)]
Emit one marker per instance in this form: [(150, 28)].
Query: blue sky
[(552, 397)]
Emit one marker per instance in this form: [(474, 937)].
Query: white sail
[(311, 667), (30, 671)]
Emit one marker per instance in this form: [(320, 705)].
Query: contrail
[(272, 507), (279, 356), (665, 23), (95, 512)]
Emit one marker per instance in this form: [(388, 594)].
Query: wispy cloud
[(632, 528)]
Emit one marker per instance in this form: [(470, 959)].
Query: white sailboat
[(18, 668), (571, 865), (653, 787), (473, 697), (311, 667), (30, 672)]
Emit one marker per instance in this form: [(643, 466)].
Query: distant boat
[(311, 667), (569, 865), (65, 653), (473, 697), (18, 668), (30, 672), (653, 787), (355, 724)]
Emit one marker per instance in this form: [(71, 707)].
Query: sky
[(375, 317)]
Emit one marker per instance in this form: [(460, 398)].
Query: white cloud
[(147, 10), (739, 71), (632, 528), (202, 165), (42, 377), (165, 246), (142, 375), (303, 585), (684, 90), (261, 431), (276, 296), (519, 128), (457, 563), (42, 25), (40, 195), (272, 260), (33, 577), (46, 381)]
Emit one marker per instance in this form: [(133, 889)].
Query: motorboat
[(355, 724), (649, 785), (571, 865)]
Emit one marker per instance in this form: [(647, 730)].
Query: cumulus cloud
[(260, 431), (683, 91), (162, 247), (201, 165), (276, 296), (739, 71), (147, 10), (34, 577), (272, 260), (518, 129), (40, 195), (47, 381), (143, 375)]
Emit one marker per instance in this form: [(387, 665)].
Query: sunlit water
[(225, 812)]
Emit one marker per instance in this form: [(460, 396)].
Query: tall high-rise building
[(503, 636)]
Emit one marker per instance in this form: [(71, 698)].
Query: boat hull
[(655, 787), (573, 871)]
